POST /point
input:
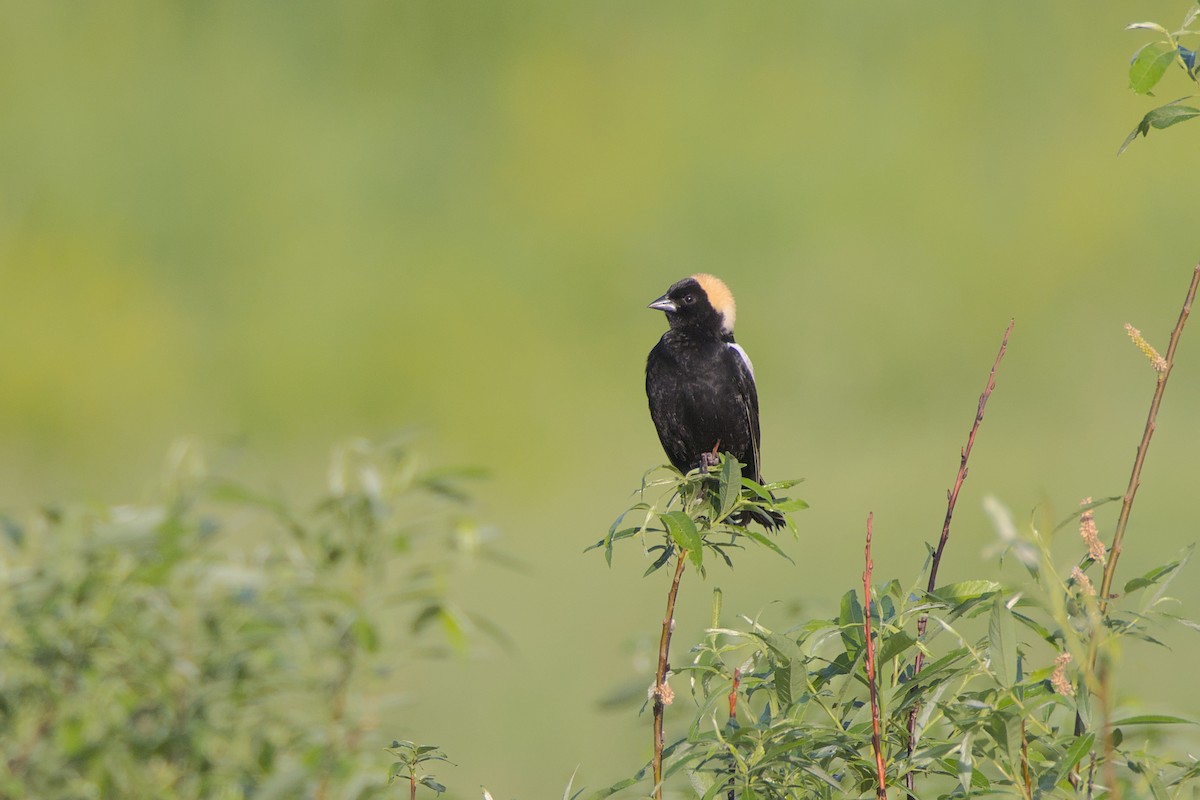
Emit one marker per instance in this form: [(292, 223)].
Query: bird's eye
[(688, 299)]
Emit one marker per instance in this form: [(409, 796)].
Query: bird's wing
[(748, 398), (745, 357)]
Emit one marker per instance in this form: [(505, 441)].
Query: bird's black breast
[(702, 396)]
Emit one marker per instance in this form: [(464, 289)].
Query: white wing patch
[(737, 348)]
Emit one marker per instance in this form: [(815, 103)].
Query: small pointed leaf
[(682, 530), (1148, 67), (1002, 642)]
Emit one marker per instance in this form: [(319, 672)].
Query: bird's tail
[(767, 518)]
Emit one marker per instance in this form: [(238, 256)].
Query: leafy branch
[(409, 759), (1151, 63), (696, 513), (979, 702)]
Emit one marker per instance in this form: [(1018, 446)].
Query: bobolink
[(700, 383)]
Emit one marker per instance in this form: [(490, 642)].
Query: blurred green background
[(282, 224)]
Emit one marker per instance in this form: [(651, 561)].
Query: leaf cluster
[(410, 757), (703, 513), (1150, 64), (218, 643), (990, 717)]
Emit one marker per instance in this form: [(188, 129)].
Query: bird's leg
[(708, 460)]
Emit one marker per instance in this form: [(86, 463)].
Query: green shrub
[(218, 644)]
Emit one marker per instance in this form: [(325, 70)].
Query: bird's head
[(699, 302)]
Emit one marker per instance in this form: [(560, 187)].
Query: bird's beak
[(663, 304)]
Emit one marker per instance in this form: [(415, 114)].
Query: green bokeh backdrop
[(281, 224)]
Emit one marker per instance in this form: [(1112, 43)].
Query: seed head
[(1083, 581), (1158, 362), (1058, 679), (1090, 535)]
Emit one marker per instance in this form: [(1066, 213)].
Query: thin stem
[(876, 738), (1110, 769), (1025, 760), (733, 690), (660, 677), (951, 500), (1135, 478)]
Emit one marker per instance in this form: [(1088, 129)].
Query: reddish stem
[(876, 738), (737, 677), (1135, 478), (951, 500), (660, 676)]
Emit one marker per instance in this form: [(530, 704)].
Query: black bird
[(700, 382)]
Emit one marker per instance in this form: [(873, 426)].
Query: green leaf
[(767, 543), (783, 684), (567, 791), (12, 530), (1045, 633), (850, 618), (425, 616), (1161, 117), (1075, 753), (1154, 719), (658, 562), (1147, 26), (787, 506), (820, 774), (607, 542), (682, 530), (758, 490), (730, 483), (620, 785), (1002, 642), (957, 593), (1150, 578), (894, 645), (1005, 730), (938, 670), (783, 646), (1083, 508), (453, 629), (429, 781), (364, 633), (965, 768), (1148, 67), (1187, 623)]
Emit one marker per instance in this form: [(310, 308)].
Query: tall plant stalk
[(951, 501), (662, 692)]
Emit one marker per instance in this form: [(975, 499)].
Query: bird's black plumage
[(700, 382)]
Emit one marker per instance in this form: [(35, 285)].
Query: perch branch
[(661, 691)]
